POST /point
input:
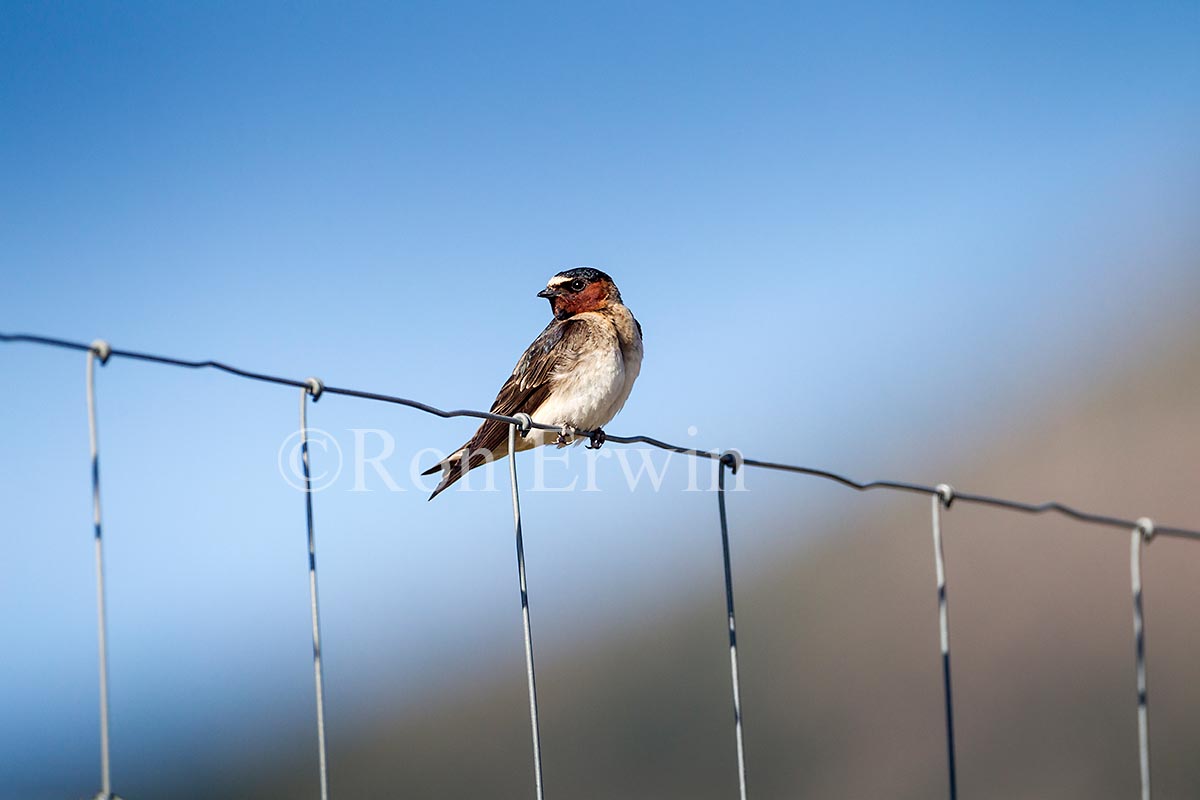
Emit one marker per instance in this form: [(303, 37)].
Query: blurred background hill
[(841, 677), (955, 243)]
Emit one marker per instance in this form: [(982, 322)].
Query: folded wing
[(555, 351)]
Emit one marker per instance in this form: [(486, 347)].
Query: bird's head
[(577, 290)]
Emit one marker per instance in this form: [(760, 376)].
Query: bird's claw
[(566, 435), (597, 440)]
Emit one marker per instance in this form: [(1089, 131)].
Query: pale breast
[(629, 338), (584, 396)]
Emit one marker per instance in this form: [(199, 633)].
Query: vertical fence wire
[(99, 350), (729, 460), (1142, 533), (314, 388), (945, 496), (533, 704)]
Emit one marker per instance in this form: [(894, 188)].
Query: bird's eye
[(577, 285)]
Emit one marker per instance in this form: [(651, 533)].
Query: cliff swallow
[(576, 375)]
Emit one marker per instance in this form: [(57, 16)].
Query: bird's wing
[(555, 350)]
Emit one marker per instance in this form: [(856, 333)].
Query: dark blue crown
[(587, 273)]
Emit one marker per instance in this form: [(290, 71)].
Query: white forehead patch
[(557, 280)]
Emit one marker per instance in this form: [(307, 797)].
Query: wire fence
[(942, 497)]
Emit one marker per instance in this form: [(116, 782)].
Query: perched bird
[(576, 375)]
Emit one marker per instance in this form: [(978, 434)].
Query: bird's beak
[(548, 293)]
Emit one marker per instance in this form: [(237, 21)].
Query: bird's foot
[(566, 435), (597, 440)]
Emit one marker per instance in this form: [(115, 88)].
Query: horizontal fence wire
[(902, 486), (941, 496)]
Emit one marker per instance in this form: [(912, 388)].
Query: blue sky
[(863, 237)]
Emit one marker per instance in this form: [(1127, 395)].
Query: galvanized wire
[(1143, 529), (1141, 534), (313, 387), (903, 486), (530, 675), (99, 350), (731, 461), (946, 496)]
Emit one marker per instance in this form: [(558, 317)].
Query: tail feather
[(455, 465), (452, 468)]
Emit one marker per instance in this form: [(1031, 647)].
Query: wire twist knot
[(524, 423), (102, 349), (315, 387), (946, 492), (733, 459)]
